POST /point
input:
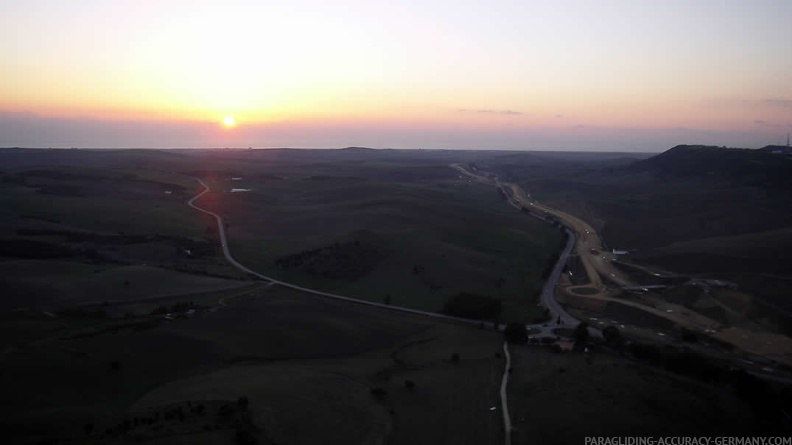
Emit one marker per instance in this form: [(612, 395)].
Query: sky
[(449, 74)]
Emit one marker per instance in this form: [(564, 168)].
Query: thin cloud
[(767, 103), (783, 103), (503, 112), (766, 124)]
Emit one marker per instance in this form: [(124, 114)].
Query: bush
[(515, 333), (611, 335), (378, 392), (581, 334), (689, 336), (455, 358), (475, 306), (409, 384), (245, 437)]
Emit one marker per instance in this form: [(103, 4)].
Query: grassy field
[(74, 234), (36, 283), (422, 234), (563, 397), (314, 371), (307, 366), (185, 352), (387, 226)]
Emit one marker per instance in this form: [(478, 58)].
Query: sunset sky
[(470, 74)]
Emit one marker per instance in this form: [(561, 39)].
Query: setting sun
[(228, 121)]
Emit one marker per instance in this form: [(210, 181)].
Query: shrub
[(475, 306), (243, 403), (515, 333), (581, 334), (378, 392), (611, 335), (245, 437), (689, 336)]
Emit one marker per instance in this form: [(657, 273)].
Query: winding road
[(597, 264), (243, 268), (548, 299)]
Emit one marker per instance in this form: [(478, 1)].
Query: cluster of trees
[(175, 308), (231, 415), (339, 261)]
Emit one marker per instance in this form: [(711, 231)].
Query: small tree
[(581, 334), (515, 333), (378, 392), (611, 335), (689, 336), (455, 358)]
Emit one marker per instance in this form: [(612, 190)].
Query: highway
[(548, 298), (596, 265), (548, 291)]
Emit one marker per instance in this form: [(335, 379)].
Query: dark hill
[(777, 149), (759, 168)]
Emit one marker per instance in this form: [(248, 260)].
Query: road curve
[(547, 297), (557, 311)]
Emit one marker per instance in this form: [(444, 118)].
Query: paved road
[(557, 312), (597, 266)]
